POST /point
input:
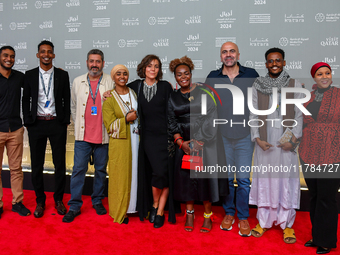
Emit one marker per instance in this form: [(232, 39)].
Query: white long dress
[(277, 194)]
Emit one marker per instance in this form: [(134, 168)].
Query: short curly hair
[(181, 61), (145, 62)]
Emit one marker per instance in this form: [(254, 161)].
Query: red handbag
[(192, 162)]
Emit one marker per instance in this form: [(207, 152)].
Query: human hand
[(131, 115), (107, 94), (263, 144), (286, 146), (185, 147)]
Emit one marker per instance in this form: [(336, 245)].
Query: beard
[(229, 62), (95, 73), (6, 67)]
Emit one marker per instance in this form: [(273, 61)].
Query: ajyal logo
[(204, 96)]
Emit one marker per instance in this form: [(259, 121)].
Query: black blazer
[(61, 96)]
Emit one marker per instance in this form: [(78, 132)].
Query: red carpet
[(94, 234)]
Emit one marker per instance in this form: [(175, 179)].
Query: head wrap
[(317, 66), (116, 68)]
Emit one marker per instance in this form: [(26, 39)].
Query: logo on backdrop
[(46, 24), (100, 4), (319, 17), (72, 44), (329, 17), (249, 63), (21, 46), (129, 43), (195, 19), (284, 41), (44, 4), (163, 42), (259, 42), (225, 19), (193, 42), (100, 44), (19, 25), (332, 62), (330, 41), (73, 3), (131, 64), (73, 24), (298, 18), (0, 26), (121, 43), (131, 22), (259, 2), (198, 64), (38, 4), (1, 7), (165, 64), (293, 65), (159, 20), (72, 66), (130, 2), (220, 40), (161, 1), (20, 65), (101, 22), (259, 18), (20, 6)]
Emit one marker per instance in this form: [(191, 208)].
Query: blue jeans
[(239, 153), (82, 153)]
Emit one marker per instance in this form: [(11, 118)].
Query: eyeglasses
[(271, 61)]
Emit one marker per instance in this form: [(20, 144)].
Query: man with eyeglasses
[(236, 137), (275, 185)]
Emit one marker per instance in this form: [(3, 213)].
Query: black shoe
[(152, 215), (322, 250), (310, 243), (159, 221), (100, 209), (126, 220), (1, 211), (69, 217), (21, 209)]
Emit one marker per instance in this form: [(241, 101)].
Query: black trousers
[(38, 134), (323, 208)]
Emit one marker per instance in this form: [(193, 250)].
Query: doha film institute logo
[(319, 17)]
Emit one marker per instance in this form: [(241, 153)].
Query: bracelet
[(199, 143), (178, 138), (181, 144)]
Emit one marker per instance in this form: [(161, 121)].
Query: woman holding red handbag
[(194, 137)]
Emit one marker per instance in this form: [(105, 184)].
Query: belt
[(48, 117)]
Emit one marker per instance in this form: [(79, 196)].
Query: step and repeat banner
[(127, 30)]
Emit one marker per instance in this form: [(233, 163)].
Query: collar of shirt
[(42, 71), (241, 70)]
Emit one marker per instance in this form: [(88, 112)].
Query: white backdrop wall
[(127, 30)]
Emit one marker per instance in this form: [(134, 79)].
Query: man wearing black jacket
[(46, 109)]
